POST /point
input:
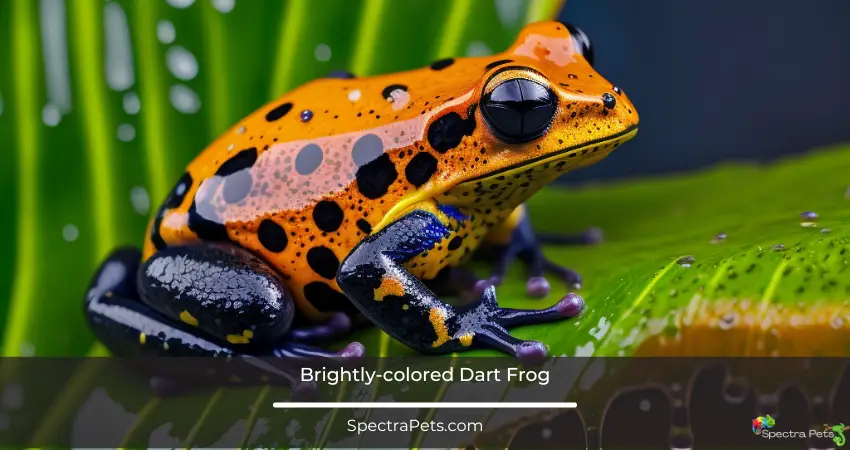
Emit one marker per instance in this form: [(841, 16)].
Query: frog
[(348, 199)]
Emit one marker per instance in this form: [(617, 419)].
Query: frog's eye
[(518, 109), (581, 42)]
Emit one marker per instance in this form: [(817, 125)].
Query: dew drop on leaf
[(180, 4), (777, 247), (165, 31), (323, 52), (720, 237), (132, 105), (181, 62), (140, 199), (126, 132), (686, 261), (184, 99), (223, 6), (808, 218), (51, 115), (119, 50), (70, 232)]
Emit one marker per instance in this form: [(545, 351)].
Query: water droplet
[(478, 48), (51, 115), (165, 31), (508, 11), (546, 433), (836, 322), (354, 95), (184, 99), (306, 115), (70, 232), (720, 237), (231, 147), (119, 49), (140, 199), (808, 218), (54, 45), (686, 261), (224, 6), (825, 230), (181, 63), (27, 349), (728, 321), (180, 4), (241, 129), (777, 248), (645, 405), (323, 52), (676, 387), (126, 132), (132, 105)]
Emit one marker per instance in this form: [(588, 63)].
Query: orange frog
[(352, 198)]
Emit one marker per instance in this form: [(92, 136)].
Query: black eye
[(519, 110), (581, 42)]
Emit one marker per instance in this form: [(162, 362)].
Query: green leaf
[(70, 187)]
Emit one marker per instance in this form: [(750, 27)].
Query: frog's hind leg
[(516, 239), (373, 276)]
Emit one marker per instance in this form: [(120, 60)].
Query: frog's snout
[(519, 110)]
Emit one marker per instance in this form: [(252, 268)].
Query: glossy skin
[(346, 194)]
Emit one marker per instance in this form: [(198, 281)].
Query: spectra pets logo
[(838, 434), (762, 423)]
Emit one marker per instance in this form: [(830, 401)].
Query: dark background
[(720, 80)]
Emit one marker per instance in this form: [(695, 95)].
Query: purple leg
[(297, 342)]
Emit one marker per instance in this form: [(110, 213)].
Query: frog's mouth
[(511, 185)]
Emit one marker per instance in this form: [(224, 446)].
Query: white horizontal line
[(425, 405)]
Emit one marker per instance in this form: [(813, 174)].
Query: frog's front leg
[(374, 278), (515, 238)]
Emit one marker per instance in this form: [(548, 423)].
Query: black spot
[(327, 215), (389, 90), (374, 179), (325, 298), (498, 63), (364, 226), (367, 149), (340, 74), (309, 159), (272, 236), (173, 200), (455, 243), (420, 169), (278, 112), (442, 64), (446, 132), (323, 261), (242, 160)]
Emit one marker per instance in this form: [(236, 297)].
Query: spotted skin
[(305, 180)]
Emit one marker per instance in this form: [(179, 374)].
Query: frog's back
[(304, 178)]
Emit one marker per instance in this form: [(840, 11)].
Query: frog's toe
[(337, 325), (351, 351), (492, 331), (570, 277)]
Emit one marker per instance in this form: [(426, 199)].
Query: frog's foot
[(173, 306), (373, 276), (525, 245), (486, 324)]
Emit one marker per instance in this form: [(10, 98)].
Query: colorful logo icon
[(839, 430), (762, 423)]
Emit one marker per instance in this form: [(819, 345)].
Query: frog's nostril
[(609, 101)]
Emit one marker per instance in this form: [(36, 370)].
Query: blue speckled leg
[(525, 244), (410, 312)]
